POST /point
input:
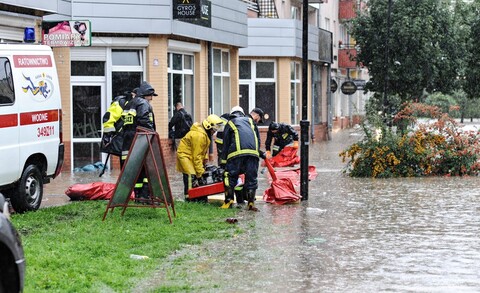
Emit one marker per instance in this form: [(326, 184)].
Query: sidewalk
[(322, 155)]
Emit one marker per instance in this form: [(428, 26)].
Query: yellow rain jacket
[(193, 150)]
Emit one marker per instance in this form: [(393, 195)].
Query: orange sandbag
[(90, 191)]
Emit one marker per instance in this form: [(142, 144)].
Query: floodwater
[(352, 235)]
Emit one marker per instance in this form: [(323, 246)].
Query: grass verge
[(70, 249)]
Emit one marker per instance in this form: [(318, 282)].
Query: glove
[(268, 155), (197, 181), (107, 139), (262, 154), (202, 181), (295, 144)]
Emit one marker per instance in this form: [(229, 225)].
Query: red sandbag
[(294, 174), (281, 191), (287, 157), (90, 191)]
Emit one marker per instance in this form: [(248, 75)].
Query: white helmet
[(237, 109)]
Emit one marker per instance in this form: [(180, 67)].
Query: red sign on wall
[(66, 33)]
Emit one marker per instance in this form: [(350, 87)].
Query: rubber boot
[(240, 197), (229, 195), (145, 192), (251, 200)]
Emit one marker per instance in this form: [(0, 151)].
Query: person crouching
[(192, 152)]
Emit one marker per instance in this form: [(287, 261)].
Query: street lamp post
[(386, 110), (304, 123)]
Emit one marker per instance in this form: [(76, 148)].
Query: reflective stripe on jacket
[(284, 136), (240, 138)]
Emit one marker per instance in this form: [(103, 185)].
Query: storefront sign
[(68, 33), (348, 87), (360, 83), (193, 11), (333, 85)]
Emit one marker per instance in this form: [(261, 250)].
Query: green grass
[(70, 249)]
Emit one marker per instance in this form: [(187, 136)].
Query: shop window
[(258, 87), (294, 91), (126, 58), (125, 81), (265, 69), (221, 81), (245, 69), (88, 68), (127, 71), (181, 81)]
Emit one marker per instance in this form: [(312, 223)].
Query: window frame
[(222, 100)]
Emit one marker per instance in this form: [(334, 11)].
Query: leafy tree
[(414, 54), (442, 101), (472, 76)]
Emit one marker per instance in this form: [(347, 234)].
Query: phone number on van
[(45, 131)]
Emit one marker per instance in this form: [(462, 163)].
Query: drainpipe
[(312, 100), (329, 102), (210, 92)]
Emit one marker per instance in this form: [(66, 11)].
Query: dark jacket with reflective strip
[(240, 138), (284, 136), (138, 112)]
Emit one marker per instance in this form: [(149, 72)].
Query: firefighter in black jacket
[(284, 135), (240, 154), (138, 112)]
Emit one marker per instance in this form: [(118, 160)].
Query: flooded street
[(352, 235)]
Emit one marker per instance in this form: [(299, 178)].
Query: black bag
[(187, 122), (112, 142)]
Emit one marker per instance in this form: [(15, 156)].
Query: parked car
[(12, 260)]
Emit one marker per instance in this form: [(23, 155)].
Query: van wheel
[(29, 191)]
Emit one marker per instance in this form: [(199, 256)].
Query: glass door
[(87, 110), (244, 99)]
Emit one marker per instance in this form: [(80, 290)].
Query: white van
[(31, 147)]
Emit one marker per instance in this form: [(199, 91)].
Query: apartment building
[(271, 64), (211, 55)]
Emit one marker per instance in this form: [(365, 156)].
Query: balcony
[(347, 9), (346, 56)]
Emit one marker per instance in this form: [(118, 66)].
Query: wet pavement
[(352, 235)]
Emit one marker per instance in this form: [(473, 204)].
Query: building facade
[(231, 52), (271, 65)]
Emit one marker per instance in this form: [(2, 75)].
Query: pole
[(210, 92), (386, 110), (304, 124), (329, 102)]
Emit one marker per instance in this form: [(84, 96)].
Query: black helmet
[(146, 89), (260, 113), (274, 126)]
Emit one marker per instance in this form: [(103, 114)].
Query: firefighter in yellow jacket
[(192, 152)]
